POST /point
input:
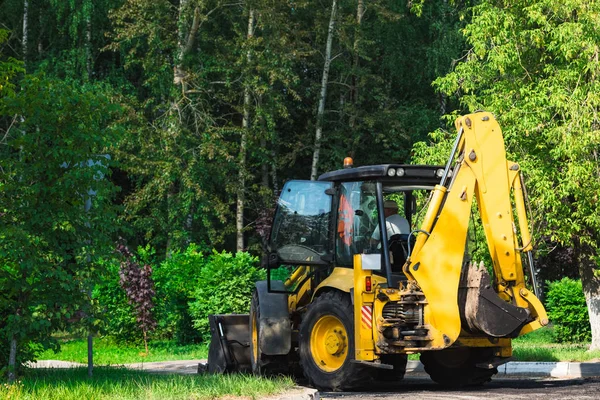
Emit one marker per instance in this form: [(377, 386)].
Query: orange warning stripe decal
[(366, 316)]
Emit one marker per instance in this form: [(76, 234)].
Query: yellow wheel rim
[(254, 339), (329, 343)]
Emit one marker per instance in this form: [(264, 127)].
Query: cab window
[(300, 233), (356, 220)]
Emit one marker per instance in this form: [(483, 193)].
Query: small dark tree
[(139, 287)]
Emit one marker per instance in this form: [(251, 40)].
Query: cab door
[(301, 232)]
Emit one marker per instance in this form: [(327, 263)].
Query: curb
[(299, 393), (551, 369), (561, 369)]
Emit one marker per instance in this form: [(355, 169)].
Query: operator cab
[(324, 223)]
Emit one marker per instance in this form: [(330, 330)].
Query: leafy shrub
[(567, 309), (175, 281), (137, 282), (119, 316), (224, 286)]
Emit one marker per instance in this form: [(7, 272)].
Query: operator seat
[(398, 245)]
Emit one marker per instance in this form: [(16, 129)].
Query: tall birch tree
[(241, 190), (323, 92)]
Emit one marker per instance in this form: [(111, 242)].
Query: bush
[(118, 316), (567, 309), (175, 281), (225, 286)]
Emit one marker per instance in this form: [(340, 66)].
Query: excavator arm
[(503, 307)]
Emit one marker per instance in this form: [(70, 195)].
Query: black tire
[(457, 367), (399, 362), (330, 318), (262, 364)]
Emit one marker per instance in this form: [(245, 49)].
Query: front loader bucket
[(229, 349)]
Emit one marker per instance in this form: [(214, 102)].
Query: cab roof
[(428, 175)]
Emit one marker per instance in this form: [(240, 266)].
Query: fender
[(275, 329), (342, 279)]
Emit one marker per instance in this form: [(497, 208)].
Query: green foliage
[(53, 164), (534, 63), (176, 280), (225, 285), (117, 315), (9, 68), (568, 311)]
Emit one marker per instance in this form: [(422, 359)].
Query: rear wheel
[(262, 364), (456, 367), (326, 344)]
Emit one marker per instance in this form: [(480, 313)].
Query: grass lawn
[(123, 384), (536, 346), (540, 346), (107, 352)]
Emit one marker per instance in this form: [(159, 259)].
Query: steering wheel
[(298, 252)]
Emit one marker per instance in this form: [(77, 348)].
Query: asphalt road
[(499, 388)]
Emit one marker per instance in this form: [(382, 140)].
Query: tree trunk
[(179, 75), (188, 224), (184, 44), (145, 341), (264, 147), (25, 30), (443, 105), (360, 12), (12, 359), (88, 41), (90, 346), (323, 93), (171, 218), (274, 170), (40, 45), (355, 90), (591, 290), (264, 166), (241, 192)]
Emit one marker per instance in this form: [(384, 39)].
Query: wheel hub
[(329, 343), (335, 343)]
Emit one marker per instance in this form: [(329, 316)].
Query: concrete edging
[(561, 369), (300, 393)]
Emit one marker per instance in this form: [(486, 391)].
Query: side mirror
[(270, 260)]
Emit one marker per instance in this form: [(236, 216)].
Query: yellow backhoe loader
[(364, 289)]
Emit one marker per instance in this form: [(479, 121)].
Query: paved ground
[(422, 388)]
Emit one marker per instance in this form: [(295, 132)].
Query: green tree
[(10, 68), (53, 158), (534, 63)]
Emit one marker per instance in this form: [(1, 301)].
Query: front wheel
[(326, 343), (457, 367), (261, 363)]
